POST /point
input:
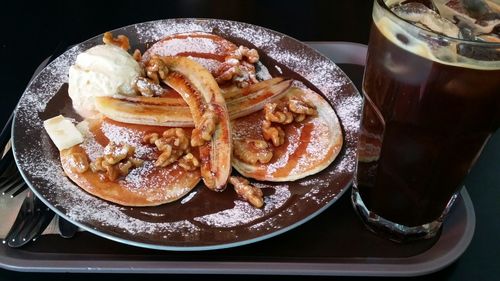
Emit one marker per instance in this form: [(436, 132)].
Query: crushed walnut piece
[(147, 87), (302, 107), (275, 134), (282, 116), (156, 69), (78, 162), (247, 192), (120, 41), (174, 146), (295, 109), (117, 160), (252, 151), (204, 133), (137, 55), (189, 163), (238, 67)]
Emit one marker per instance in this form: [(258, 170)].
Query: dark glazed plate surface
[(203, 220)]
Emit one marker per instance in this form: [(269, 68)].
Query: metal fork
[(32, 219), (11, 183)]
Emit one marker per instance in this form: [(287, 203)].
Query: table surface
[(31, 31)]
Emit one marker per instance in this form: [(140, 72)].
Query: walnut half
[(78, 162), (252, 151), (204, 133), (174, 146), (281, 116), (120, 41), (274, 134), (116, 161), (247, 192)]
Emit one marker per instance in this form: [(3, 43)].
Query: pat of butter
[(62, 132)]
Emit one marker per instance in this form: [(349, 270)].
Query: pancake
[(218, 55), (207, 49), (309, 147), (146, 185)]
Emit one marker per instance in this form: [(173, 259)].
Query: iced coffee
[(432, 100)]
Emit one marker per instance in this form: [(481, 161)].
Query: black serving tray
[(333, 243)]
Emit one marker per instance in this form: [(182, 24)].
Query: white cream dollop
[(103, 70)]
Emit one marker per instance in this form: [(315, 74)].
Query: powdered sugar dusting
[(121, 134), (244, 213), (38, 159)]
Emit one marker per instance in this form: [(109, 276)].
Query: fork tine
[(35, 225), (13, 188), (19, 189), (24, 212), (9, 170), (5, 180), (12, 180), (24, 234)]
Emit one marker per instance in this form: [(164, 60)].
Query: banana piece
[(201, 92), (154, 111), (174, 112), (244, 104), (62, 132), (235, 92)]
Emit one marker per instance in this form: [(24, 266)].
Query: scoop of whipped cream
[(103, 70)]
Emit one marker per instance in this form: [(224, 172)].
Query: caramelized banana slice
[(245, 104), (154, 111), (202, 94), (236, 92), (174, 112)]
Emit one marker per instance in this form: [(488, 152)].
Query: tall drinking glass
[(432, 100)]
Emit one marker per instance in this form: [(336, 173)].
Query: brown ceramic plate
[(203, 219)]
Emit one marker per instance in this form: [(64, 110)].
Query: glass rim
[(487, 44)]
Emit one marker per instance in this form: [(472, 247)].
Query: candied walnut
[(299, 117), (227, 71), (168, 156), (120, 41), (204, 133), (189, 162), (151, 138), (302, 106), (97, 166), (272, 114), (247, 192), (238, 67), (137, 55), (114, 153), (172, 144), (252, 151), (156, 69), (147, 87), (275, 134), (78, 162), (177, 137), (251, 55), (116, 161)]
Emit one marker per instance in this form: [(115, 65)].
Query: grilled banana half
[(212, 132), (174, 112)]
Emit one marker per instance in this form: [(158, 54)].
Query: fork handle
[(5, 134)]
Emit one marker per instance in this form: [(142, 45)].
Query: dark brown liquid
[(424, 124)]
